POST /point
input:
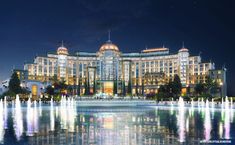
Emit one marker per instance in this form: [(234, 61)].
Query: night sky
[(29, 28)]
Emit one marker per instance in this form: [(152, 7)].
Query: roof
[(109, 46), (155, 50)]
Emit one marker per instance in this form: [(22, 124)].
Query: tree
[(123, 88), (164, 91), (188, 91), (199, 88), (129, 90), (50, 90), (14, 84), (176, 86), (70, 90), (170, 89), (215, 88), (54, 79), (60, 87), (211, 87)]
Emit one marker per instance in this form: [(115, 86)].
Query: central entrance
[(34, 90), (108, 87)]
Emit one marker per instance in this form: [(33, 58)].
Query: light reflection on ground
[(71, 124)]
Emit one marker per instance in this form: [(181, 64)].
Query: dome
[(62, 50), (183, 50), (109, 46)]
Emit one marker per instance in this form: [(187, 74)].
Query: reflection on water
[(52, 117), (67, 114), (67, 123), (1, 122), (18, 120), (181, 120), (5, 112), (29, 118), (207, 122)]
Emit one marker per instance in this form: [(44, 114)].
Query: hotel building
[(110, 71)]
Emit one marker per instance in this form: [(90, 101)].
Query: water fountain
[(181, 120), (18, 119), (202, 103), (207, 122), (221, 129), (40, 107), (2, 131), (192, 103), (231, 103), (181, 103), (227, 119), (65, 114), (231, 110), (35, 117), (51, 100), (5, 112), (171, 101), (212, 103), (191, 111), (213, 108), (226, 103), (198, 102), (29, 103), (29, 118), (222, 103), (71, 115), (172, 106), (52, 118)]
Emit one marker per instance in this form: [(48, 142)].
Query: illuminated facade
[(111, 71)]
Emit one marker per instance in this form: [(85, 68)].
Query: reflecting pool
[(66, 123)]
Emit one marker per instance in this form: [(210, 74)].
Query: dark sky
[(34, 27)]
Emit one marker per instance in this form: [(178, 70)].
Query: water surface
[(71, 124)]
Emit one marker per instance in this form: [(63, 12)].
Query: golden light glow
[(183, 50), (34, 90), (108, 88), (109, 46), (184, 91), (155, 50), (108, 123), (62, 51)]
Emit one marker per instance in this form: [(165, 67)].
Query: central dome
[(109, 46), (62, 50), (183, 49)]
